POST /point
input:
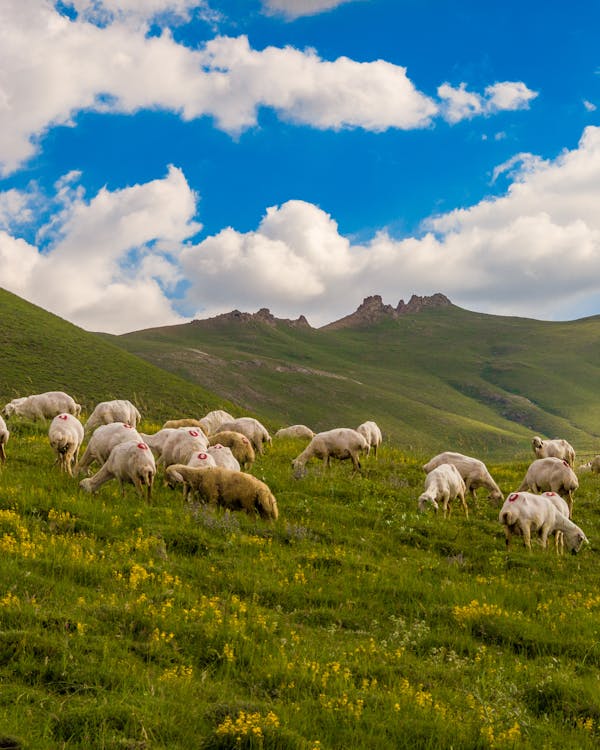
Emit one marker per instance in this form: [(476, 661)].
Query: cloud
[(292, 9), (107, 11), (589, 106), (54, 67)]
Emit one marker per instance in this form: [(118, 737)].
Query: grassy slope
[(42, 352), (483, 382)]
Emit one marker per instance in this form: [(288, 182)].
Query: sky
[(165, 160)]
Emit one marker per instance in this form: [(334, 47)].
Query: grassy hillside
[(435, 378), (42, 352)]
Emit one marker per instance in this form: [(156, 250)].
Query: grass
[(351, 622)]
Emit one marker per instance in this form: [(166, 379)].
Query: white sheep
[(341, 443), (557, 448), (295, 431), (212, 421), (103, 440), (524, 514), (181, 444), (552, 474), (561, 506), (130, 462), (201, 460), (157, 440), (472, 470), (239, 445), (372, 434), (66, 436), (593, 465), (229, 489), (256, 432), (442, 485), (223, 456), (118, 410), (42, 406), (4, 435)]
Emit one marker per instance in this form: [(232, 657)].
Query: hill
[(432, 374), (42, 352)]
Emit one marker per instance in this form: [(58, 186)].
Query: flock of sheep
[(210, 457)]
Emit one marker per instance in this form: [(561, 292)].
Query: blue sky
[(168, 159)]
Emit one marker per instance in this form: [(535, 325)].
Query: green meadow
[(351, 622)]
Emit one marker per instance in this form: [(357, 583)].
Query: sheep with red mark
[(201, 460), (103, 440), (341, 443), (553, 475), (372, 434), (556, 448), (181, 444), (4, 435), (442, 485), (66, 436), (118, 410), (473, 471), (42, 406), (254, 430), (239, 444), (223, 456), (131, 462), (526, 514)]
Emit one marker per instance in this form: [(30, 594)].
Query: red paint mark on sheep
[(63, 416), (513, 497), (202, 456), (193, 433), (142, 446), (127, 426)]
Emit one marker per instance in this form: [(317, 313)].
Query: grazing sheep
[(553, 474), (472, 470), (442, 485), (562, 507), (130, 462), (256, 432), (229, 489), (524, 513), (4, 435), (223, 456), (177, 423), (295, 431), (239, 444), (119, 410), (593, 465), (157, 441), (557, 448), (66, 436), (341, 443), (372, 434), (201, 460), (212, 421), (103, 440), (42, 406), (181, 444)]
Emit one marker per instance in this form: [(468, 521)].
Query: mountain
[(433, 375), (42, 352)]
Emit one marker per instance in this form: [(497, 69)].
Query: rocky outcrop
[(372, 310), (262, 316)]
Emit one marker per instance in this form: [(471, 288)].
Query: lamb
[(256, 432), (212, 421), (66, 436), (553, 474), (223, 456), (372, 434), (295, 431), (593, 465), (201, 460), (341, 443), (472, 470), (130, 462), (187, 422), (119, 410), (524, 513), (557, 448), (4, 435), (43, 406), (239, 444), (103, 441), (181, 444), (442, 485), (229, 489)]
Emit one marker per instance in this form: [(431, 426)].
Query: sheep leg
[(526, 531), (461, 497), (355, 462), (2, 453)]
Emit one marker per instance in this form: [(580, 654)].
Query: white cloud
[(107, 11), (460, 104), (589, 106), (295, 8)]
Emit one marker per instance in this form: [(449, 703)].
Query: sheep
[(229, 489), (103, 441), (239, 444), (372, 434), (43, 406), (188, 422), (442, 485), (119, 410), (131, 462), (553, 474), (157, 440), (212, 421), (562, 507), (66, 436), (201, 460), (256, 432), (524, 513), (4, 435), (472, 470), (341, 443), (557, 448), (295, 431), (223, 456), (593, 465), (181, 444)]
